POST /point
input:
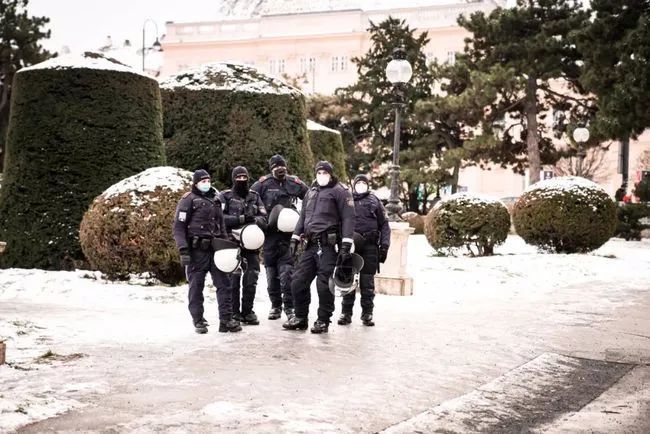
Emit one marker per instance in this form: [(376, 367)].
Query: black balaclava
[(278, 167), (240, 187)]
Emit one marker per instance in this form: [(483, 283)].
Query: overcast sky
[(84, 24)]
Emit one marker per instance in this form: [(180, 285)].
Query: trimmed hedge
[(632, 218), (78, 124), (224, 115), (326, 144), (565, 215), (415, 220), (128, 228), (465, 220)]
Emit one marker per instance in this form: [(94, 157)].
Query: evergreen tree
[(526, 57), (371, 98), (20, 35)]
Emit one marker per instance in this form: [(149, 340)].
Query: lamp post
[(398, 72), (580, 135), (156, 45)]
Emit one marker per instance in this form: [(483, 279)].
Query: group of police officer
[(333, 222)]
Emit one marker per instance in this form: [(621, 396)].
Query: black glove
[(261, 223), (185, 256), (293, 247), (344, 252), (383, 253), (249, 218)]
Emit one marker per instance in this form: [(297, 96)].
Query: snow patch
[(165, 177), (566, 184), (228, 76), (315, 126), (85, 60), (469, 198)]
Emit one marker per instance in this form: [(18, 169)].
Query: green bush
[(223, 115), (642, 189), (128, 228), (631, 218), (326, 144), (78, 124), (415, 220), (464, 220), (567, 215)]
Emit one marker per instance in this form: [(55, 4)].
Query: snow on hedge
[(138, 186), (315, 126), (468, 198), (227, 76), (565, 184), (85, 60)]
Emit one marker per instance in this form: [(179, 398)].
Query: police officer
[(198, 220), (243, 206), (372, 225), (327, 223), (279, 188)]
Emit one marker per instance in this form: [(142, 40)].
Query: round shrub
[(224, 115), (566, 214), (465, 220), (415, 220), (326, 144), (78, 125), (128, 228)]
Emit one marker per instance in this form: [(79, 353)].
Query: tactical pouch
[(195, 243), (332, 238), (206, 243)]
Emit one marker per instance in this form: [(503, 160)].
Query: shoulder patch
[(186, 194), (263, 178)]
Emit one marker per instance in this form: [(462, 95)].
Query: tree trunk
[(412, 200), (454, 177), (425, 201), (532, 138)]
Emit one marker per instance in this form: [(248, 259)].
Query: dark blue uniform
[(326, 220), (277, 260), (372, 224), (237, 211), (197, 221)]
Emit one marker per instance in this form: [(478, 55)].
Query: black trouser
[(312, 265), (279, 266), (248, 283), (370, 255), (200, 265)]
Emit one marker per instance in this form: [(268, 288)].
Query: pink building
[(314, 42)]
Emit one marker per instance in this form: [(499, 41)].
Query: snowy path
[(125, 357)]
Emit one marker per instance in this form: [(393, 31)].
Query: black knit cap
[(361, 177), (200, 175), (277, 160), (326, 166), (239, 170)]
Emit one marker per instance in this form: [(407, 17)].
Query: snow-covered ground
[(125, 357)]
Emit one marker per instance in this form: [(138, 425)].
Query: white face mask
[(323, 179), (360, 187)]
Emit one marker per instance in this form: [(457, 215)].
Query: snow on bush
[(466, 220), (566, 214), (128, 228)]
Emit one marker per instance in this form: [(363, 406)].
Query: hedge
[(78, 124), (224, 115), (326, 144)]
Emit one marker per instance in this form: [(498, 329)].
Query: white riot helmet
[(227, 256), (251, 237), (283, 219), (345, 278)]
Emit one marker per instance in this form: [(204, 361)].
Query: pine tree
[(371, 98), (20, 35), (524, 53)]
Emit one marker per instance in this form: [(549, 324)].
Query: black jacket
[(285, 193), (198, 215), (236, 206), (371, 217), (327, 207)]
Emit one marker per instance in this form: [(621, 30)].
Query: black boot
[(366, 319), (289, 312), (237, 316), (295, 323), (203, 321), (320, 327), (345, 318), (229, 326), (201, 326), (250, 319), (275, 313)]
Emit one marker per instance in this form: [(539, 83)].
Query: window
[(451, 57), (303, 64), (280, 66), (272, 66), (339, 63), (335, 64), (312, 63)]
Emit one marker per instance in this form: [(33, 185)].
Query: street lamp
[(398, 72), (580, 135), (156, 45)]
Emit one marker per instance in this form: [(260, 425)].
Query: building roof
[(246, 9)]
